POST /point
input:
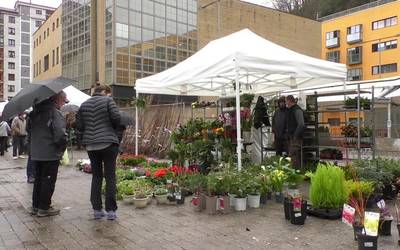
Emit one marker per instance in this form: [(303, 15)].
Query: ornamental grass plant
[(328, 187)]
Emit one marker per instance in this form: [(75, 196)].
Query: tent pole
[(238, 127), (389, 119), (136, 125)]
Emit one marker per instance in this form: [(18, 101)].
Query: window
[(38, 23), (11, 77), (46, 63), (53, 58), (332, 39), (38, 12), (11, 54), (354, 55), (48, 31), (44, 35), (333, 56), (34, 70), (386, 68), (57, 56), (354, 121), (11, 31), (11, 65), (11, 42), (354, 33), (354, 74), (384, 45), (391, 21), (334, 121), (58, 21), (40, 39), (11, 88), (40, 66), (121, 30), (54, 26), (11, 19)]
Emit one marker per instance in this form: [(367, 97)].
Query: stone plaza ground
[(155, 227)]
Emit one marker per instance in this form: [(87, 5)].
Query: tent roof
[(262, 67), (75, 96)]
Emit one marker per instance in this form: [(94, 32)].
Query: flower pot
[(211, 204), (263, 199), (286, 205), (232, 200), (279, 197), (398, 229), (269, 195), (140, 202), (225, 206), (196, 203), (180, 198), (129, 199), (240, 204), (367, 242), (202, 201), (298, 215), (162, 199), (385, 227), (253, 200), (357, 229)]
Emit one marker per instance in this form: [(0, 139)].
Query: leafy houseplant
[(328, 189)]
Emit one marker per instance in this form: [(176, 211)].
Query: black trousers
[(45, 182), (18, 145), (108, 157), (280, 145), (3, 144)]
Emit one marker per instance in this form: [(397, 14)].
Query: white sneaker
[(22, 157), (15, 158)]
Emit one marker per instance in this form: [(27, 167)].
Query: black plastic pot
[(367, 242), (357, 229), (298, 217), (385, 227), (398, 229), (181, 200), (286, 205), (390, 192), (263, 199), (269, 195)]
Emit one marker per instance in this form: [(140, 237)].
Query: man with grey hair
[(48, 141)]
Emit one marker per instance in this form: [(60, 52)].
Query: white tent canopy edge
[(242, 62)]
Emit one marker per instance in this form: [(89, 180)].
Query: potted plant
[(140, 200), (385, 219), (297, 210), (328, 191), (211, 198), (265, 187), (253, 190), (224, 188), (161, 194), (126, 190), (240, 192), (277, 180)]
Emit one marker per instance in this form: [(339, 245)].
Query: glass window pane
[(148, 7), (148, 21), (160, 10), (135, 5), (121, 15)]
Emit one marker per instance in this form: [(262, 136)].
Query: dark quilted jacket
[(98, 119)]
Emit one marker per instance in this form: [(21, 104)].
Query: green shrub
[(379, 171), (355, 187), (328, 189)]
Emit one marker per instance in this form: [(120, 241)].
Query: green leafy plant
[(161, 191), (376, 171), (328, 189), (354, 188), (277, 179), (212, 184)]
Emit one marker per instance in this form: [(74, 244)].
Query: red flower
[(160, 172), (148, 173)]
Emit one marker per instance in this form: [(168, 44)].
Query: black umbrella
[(34, 94), (126, 119), (69, 108)]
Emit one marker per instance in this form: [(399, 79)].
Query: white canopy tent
[(242, 62), (75, 96)]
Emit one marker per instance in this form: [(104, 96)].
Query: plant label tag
[(297, 215), (348, 215), (371, 223), (368, 244), (178, 196), (297, 204)]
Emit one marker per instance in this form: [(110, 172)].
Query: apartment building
[(16, 29), (365, 38), (47, 41)]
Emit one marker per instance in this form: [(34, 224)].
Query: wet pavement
[(155, 227)]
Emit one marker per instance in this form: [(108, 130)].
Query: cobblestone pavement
[(156, 227)]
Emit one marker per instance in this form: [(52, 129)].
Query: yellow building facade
[(47, 48), (365, 39)]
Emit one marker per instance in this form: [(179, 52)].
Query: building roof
[(6, 10), (355, 9), (32, 5)]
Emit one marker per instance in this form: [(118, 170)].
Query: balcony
[(354, 38), (332, 42)]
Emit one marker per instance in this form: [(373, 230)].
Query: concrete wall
[(296, 33)]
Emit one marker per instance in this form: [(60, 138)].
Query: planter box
[(325, 213)]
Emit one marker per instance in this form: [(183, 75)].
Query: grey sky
[(10, 3)]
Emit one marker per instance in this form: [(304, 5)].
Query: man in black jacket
[(295, 130), (279, 127), (98, 119), (48, 141)]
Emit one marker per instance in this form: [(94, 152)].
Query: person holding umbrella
[(98, 119), (48, 141)]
